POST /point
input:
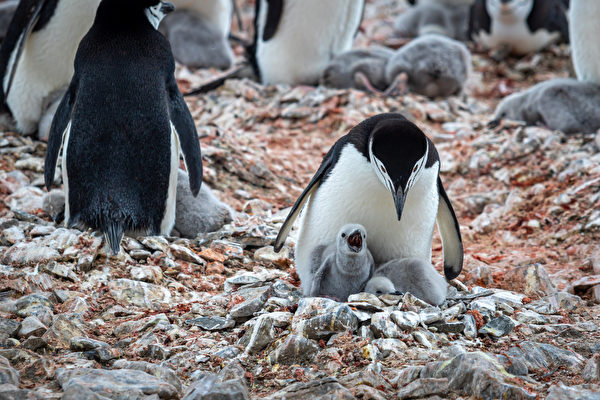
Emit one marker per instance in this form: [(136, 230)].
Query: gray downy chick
[(196, 41), (194, 215), (436, 66), (446, 17), (53, 204), (342, 268), (361, 69), (412, 275), (564, 104)]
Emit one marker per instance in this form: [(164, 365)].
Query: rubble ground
[(221, 317)]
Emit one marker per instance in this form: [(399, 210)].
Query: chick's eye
[(378, 292), (343, 235)]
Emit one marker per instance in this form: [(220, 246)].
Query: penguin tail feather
[(113, 231)]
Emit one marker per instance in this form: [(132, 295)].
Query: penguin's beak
[(166, 7), (399, 198), (355, 241)]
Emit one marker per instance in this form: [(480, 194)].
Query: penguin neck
[(353, 264)]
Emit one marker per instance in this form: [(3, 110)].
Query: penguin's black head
[(153, 10), (398, 152)]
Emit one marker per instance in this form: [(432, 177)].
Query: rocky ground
[(221, 317)]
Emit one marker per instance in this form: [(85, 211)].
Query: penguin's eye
[(415, 168), (383, 169), (343, 235)]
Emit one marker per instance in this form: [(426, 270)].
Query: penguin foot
[(398, 87)]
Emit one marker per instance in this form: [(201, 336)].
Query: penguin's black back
[(118, 157)]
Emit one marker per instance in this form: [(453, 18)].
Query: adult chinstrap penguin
[(120, 125), (36, 57), (383, 175), (295, 39), (518, 26), (584, 28)]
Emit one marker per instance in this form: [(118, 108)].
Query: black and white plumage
[(7, 10), (37, 54), (567, 105), (198, 31), (409, 275), (584, 28), (518, 26), (446, 17), (295, 39), (436, 65), (343, 267), (120, 125), (384, 175)]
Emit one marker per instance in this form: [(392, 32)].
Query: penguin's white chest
[(46, 63), (309, 34), (353, 194), (518, 36)]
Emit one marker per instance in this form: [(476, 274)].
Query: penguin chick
[(518, 26), (563, 104), (120, 126), (196, 41), (584, 24), (379, 285), (343, 267), (436, 66), (361, 69), (53, 204), (410, 275), (194, 215)]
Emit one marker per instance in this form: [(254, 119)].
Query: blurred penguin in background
[(446, 17), (584, 29)]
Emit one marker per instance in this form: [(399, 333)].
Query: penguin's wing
[(450, 233), (26, 17), (549, 15), (313, 185), (274, 12), (58, 129), (479, 19), (185, 128)]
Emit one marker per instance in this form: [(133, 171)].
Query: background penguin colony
[(118, 122)]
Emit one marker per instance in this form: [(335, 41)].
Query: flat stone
[(530, 317), (11, 392), (498, 327), (207, 387), (543, 356), (159, 371), (7, 373), (115, 384), (81, 343), (339, 319), (327, 388), (61, 271), (158, 322), (486, 306), (591, 371), (407, 375), (254, 300), (146, 273), (383, 326), (294, 349), (406, 320), (579, 392), (267, 254), (31, 326), (264, 331), (63, 328), (424, 387), (8, 328), (140, 294), (185, 254), (212, 323), (29, 253), (430, 315), (27, 199), (449, 327), (470, 330), (532, 280), (157, 243), (368, 298)]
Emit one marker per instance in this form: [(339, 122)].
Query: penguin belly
[(584, 30), (517, 36), (46, 62), (297, 56), (353, 194)]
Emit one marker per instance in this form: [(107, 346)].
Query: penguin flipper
[(450, 234), (274, 12), (313, 185), (58, 129), (182, 120), (24, 20)]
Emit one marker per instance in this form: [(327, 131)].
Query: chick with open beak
[(344, 267)]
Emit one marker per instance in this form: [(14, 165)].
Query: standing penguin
[(584, 28), (37, 54), (295, 39), (518, 26), (120, 125), (384, 175)]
